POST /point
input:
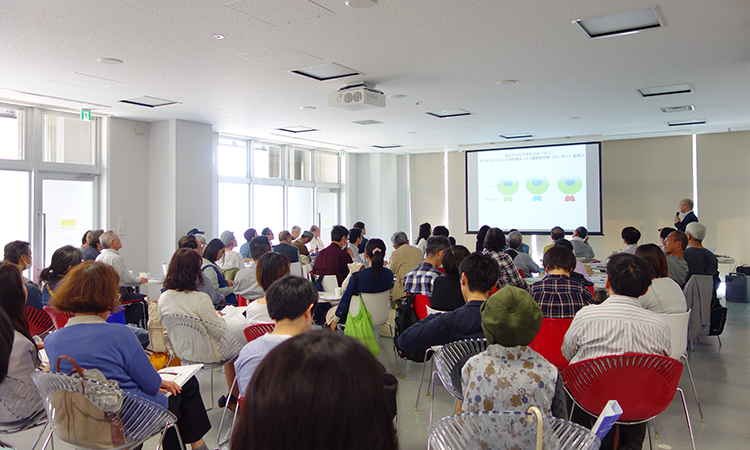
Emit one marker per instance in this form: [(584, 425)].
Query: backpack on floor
[(718, 320), (406, 317)]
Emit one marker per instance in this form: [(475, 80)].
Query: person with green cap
[(509, 375)]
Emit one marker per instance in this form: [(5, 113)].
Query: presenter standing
[(686, 211)]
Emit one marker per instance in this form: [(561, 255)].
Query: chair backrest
[(58, 318), (521, 274), (241, 301), (450, 359), (39, 321), (508, 430), (257, 330), (549, 339), (592, 290), (678, 325), (377, 305), (196, 341), (330, 283), (64, 396), (296, 269), (433, 311), (21, 400), (700, 288), (165, 268), (421, 302), (644, 385)]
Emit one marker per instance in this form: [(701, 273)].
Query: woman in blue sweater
[(374, 279), (90, 291)]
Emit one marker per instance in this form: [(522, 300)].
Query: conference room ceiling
[(432, 55)]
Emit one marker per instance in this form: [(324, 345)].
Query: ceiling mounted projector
[(357, 96)]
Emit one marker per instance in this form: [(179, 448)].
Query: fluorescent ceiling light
[(671, 109), (387, 146), (297, 129), (444, 114), (149, 102), (666, 90), (366, 122), (620, 23), (681, 123), (326, 72), (516, 136)]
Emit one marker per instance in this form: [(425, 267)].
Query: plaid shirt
[(559, 297), (509, 275), (419, 280)]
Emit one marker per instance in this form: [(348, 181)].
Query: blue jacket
[(440, 329)]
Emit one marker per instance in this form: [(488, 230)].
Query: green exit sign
[(85, 115)]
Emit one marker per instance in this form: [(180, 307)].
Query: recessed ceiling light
[(325, 72), (110, 61), (218, 36), (297, 129), (149, 102), (416, 103), (366, 122), (516, 136), (681, 123), (446, 113), (666, 90), (508, 82), (620, 23), (573, 118), (388, 146), (397, 96), (307, 107), (671, 109), (361, 4)]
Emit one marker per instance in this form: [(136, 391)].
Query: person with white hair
[(700, 260)]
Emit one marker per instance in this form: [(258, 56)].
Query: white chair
[(22, 400), (296, 269), (450, 360), (678, 325), (330, 283), (432, 349), (377, 305), (165, 268)]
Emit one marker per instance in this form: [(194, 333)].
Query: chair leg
[(36, 441), (656, 432), (687, 417), (692, 383), (432, 398), (219, 440), (164, 433), (212, 392), (648, 431), (421, 379), (393, 344), (719, 339)]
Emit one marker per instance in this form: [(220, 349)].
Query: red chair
[(58, 318), (644, 386), (549, 339), (39, 321), (591, 288), (241, 301), (421, 302), (257, 330)]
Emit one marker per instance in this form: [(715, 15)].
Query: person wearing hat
[(509, 375), (231, 262)]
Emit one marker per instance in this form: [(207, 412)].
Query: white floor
[(722, 376)]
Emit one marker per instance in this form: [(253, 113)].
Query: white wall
[(377, 195)]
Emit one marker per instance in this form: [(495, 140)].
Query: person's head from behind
[(13, 297), (259, 246), (452, 259), (436, 245), (296, 231), (511, 317), (495, 240), (515, 239), (398, 239), (307, 236), (249, 234), (285, 236), (184, 272), (676, 243), (695, 231), (557, 233), (581, 232), (191, 243), (110, 240), (89, 288), (339, 235), (270, 267), (482, 233), (375, 253), (441, 230), (361, 226), (559, 258), (479, 273), (654, 256), (311, 379), (628, 275), (227, 238), (355, 236), (290, 298), (425, 230), (64, 259), (664, 232), (630, 235), (18, 253), (93, 239), (214, 250)]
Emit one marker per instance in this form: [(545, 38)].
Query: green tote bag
[(360, 327)]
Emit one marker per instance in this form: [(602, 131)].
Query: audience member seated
[(212, 253), (205, 286), (267, 233), (374, 279), (286, 248), (524, 248), (663, 233), (494, 245), (245, 282), (522, 261), (558, 296), (674, 246), (421, 279), (478, 275), (579, 274), (93, 247), (17, 356), (355, 238), (404, 259), (446, 293), (316, 243), (556, 233), (90, 292), (630, 236), (230, 262), (182, 297), (619, 325), (480, 237), (425, 231), (330, 383), (249, 234), (301, 244), (700, 260), (509, 375), (361, 246), (64, 259), (441, 230), (664, 296), (580, 241), (269, 268), (334, 259), (134, 312), (84, 240), (18, 253), (291, 305), (296, 231)]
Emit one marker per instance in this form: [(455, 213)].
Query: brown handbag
[(81, 423)]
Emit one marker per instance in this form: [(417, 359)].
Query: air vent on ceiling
[(681, 123), (325, 72), (149, 102), (387, 146), (446, 113), (671, 109), (297, 129), (366, 122), (666, 90), (621, 23), (517, 136)]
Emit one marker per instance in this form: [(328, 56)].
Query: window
[(68, 140), (266, 160), (232, 157), (268, 208), (300, 164), (328, 167), (234, 205), (11, 133), (299, 207), (15, 202)]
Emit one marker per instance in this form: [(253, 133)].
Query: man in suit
[(286, 248), (686, 209)]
